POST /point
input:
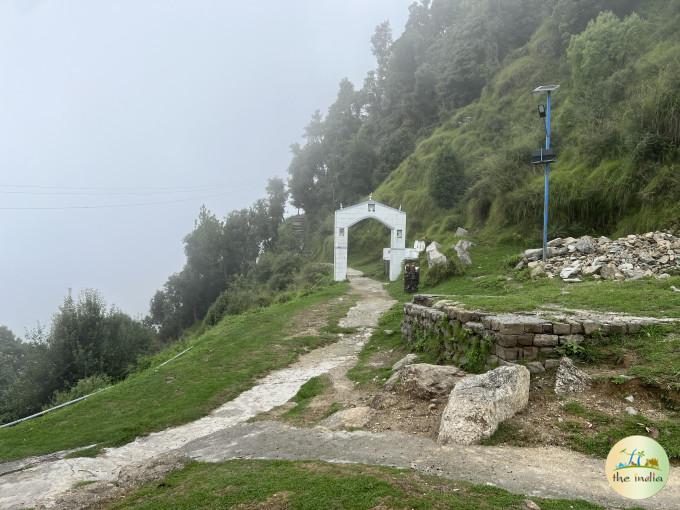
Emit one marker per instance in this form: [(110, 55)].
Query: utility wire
[(100, 193), (110, 206), (111, 188)]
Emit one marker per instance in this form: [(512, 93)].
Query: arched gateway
[(392, 218)]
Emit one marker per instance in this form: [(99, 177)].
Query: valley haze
[(172, 103)]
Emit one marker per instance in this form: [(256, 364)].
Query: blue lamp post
[(545, 157)]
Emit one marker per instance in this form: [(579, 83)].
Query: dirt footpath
[(44, 484)]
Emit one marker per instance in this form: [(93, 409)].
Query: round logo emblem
[(637, 467)]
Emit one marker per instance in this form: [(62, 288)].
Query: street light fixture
[(545, 156)]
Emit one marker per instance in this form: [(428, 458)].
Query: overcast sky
[(171, 102)]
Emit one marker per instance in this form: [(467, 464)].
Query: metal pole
[(546, 197)]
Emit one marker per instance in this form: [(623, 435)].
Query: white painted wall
[(392, 218)]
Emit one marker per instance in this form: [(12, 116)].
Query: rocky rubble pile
[(654, 254)]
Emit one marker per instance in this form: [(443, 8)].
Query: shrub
[(80, 389), (447, 178), (314, 274), (433, 276)]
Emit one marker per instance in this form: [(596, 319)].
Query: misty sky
[(171, 102)]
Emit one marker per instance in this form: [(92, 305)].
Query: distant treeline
[(247, 260), (86, 340), (445, 124)]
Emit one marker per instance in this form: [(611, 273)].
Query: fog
[(119, 119)]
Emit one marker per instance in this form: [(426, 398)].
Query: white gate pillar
[(392, 218), (340, 250), (397, 248)]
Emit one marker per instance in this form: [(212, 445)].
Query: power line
[(111, 188), (101, 193), (110, 206)]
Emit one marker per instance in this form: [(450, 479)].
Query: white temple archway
[(392, 218)]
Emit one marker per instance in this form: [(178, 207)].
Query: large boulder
[(462, 248), (434, 256), (479, 403), (425, 381), (571, 379)]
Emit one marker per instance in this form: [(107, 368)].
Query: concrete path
[(44, 482), (538, 472), (224, 434)]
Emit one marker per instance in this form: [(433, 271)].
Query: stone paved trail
[(224, 434), (43, 483)]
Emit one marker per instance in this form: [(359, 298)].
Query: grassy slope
[(224, 361), (494, 136), (594, 433), (491, 284), (313, 485)]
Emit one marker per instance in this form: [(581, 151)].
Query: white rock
[(461, 232), (536, 367), (585, 245), (409, 359), (591, 270), (354, 418), (530, 505), (631, 411), (634, 274), (479, 403), (425, 381), (434, 256), (462, 248), (569, 272), (533, 254), (570, 379), (609, 272)]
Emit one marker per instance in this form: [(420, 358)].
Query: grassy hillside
[(225, 360), (312, 485), (617, 129)]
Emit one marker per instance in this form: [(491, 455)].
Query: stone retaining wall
[(515, 337)]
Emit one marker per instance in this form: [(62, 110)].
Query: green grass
[(225, 360), (380, 342), (606, 431), (491, 284), (314, 485), (312, 388), (658, 356), (654, 349), (611, 429), (92, 451)]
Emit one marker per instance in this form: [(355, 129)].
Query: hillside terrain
[(616, 125), (278, 363)]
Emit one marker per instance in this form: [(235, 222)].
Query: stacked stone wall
[(530, 337)]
